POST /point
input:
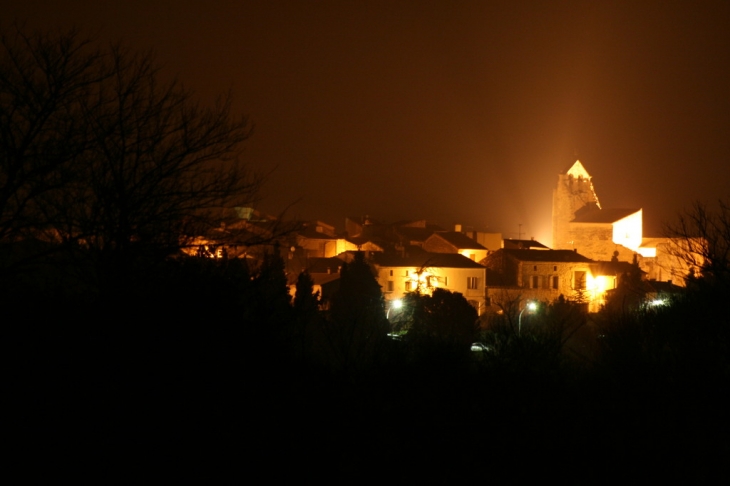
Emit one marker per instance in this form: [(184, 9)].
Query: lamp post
[(395, 304), (531, 306)]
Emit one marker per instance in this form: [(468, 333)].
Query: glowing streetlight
[(395, 304), (531, 306)]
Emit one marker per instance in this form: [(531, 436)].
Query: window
[(534, 268), (555, 268), (534, 282), (555, 282), (391, 273), (389, 286), (472, 283), (579, 280), (446, 281)]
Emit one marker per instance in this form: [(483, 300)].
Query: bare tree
[(97, 153), (42, 132), (162, 169), (700, 241)]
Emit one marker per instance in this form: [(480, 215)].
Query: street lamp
[(531, 306), (395, 304)]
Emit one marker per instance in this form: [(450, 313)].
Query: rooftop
[(459, 240), (608, 215), (425, 259), (551, 256)]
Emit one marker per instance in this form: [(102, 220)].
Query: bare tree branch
[(96, 151)]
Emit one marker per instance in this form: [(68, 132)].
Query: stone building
[(519, 275), (581, 223), (424, 271), (455, 242)]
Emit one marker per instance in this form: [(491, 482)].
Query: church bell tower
[(573, 193)]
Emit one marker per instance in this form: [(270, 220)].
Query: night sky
[(451, 111)]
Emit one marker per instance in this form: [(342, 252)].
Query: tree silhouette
[(629, 293), (441, 323), (357, 326), (271, 306), (100, 157), (700, 239), (306, 312), (42, 132)]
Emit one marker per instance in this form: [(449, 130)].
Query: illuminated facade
[(581, 223), (545, 275), (455, 242), (424, 271)]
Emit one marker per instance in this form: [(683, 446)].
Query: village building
[(581, 223), (455, 242), (424, 271), (515, 275)]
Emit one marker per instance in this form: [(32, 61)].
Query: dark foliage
[(440, 326), (356, 328), (700, 238)]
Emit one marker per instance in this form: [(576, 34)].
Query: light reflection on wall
[(628, 231)]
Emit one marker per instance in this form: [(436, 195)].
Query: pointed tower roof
[(577, 170)]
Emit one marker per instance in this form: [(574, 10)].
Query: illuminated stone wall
[(405, 279), (628, 231), (535, 281), (595, 240), (622, 239), (573, 192)]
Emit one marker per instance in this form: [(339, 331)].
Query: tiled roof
[(310, 231), (414, 234), (523, 244), (551, 256), (425, 259), (421, 223), (459, 240)]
